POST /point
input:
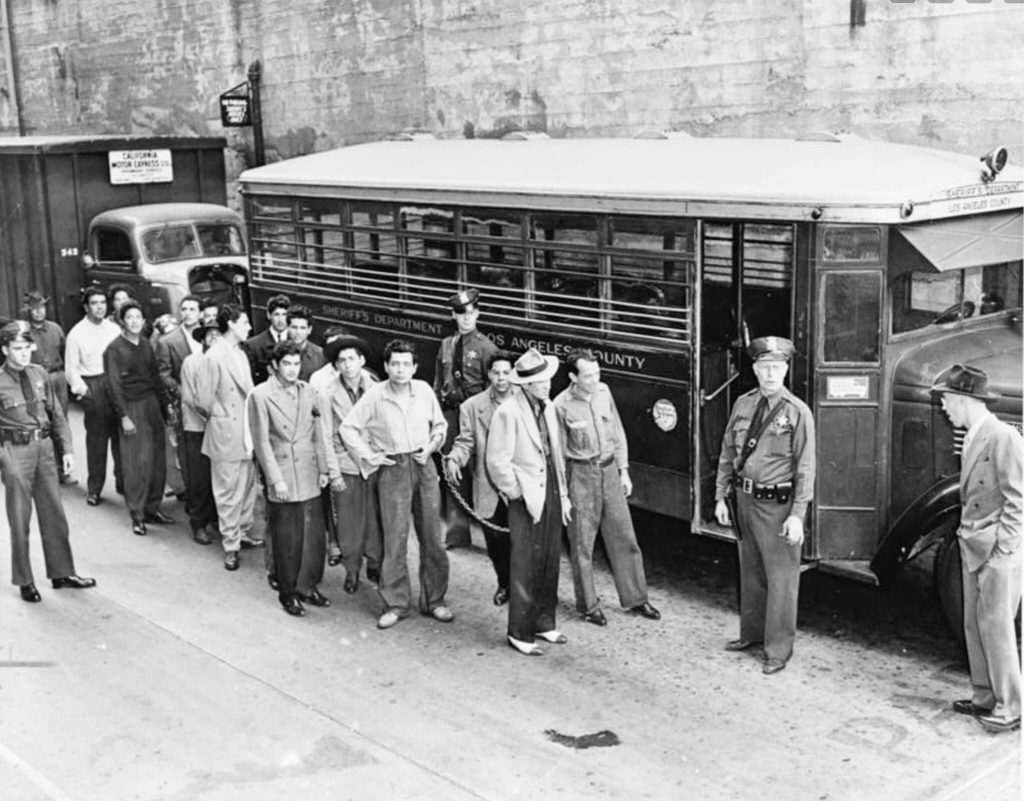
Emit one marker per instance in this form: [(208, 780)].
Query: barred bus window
[(431, 253), (375, 251), (566, 283), (324, 255), (852, 317), (273, 246), (496, 260)]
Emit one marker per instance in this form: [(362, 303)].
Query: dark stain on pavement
[(601, 739)]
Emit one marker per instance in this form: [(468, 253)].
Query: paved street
[(179, 681)]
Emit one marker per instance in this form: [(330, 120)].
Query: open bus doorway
[(746, 287)]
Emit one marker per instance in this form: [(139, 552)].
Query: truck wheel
[(949, 582)]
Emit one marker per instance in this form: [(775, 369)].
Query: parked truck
[(147, 211)]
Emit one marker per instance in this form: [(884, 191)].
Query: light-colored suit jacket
[(475, 416), (192, 419), (515, 457), (224, 383), (991, 487), (287, 439)]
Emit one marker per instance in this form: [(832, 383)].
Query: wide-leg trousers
[(533, 573), (297, 532), (143, 457), (101, 428), (234, 492), (30, 475), (358, 524), (196, 471)]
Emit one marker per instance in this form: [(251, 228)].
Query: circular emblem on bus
[(664, 413)]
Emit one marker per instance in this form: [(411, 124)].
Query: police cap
[(460, 300), (18, 331), (770, 349)]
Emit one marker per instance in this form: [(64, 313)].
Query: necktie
[(29, 393)]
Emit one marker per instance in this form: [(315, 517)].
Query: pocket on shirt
[(579, 439)]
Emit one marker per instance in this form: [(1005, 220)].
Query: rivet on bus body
[(907, 209), (816, 213)]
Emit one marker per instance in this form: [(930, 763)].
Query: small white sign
[(140, 167), (847, 387), (664, 413)]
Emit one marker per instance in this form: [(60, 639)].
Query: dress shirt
[(49, 352), (83, 352), (385, 422), (591, 425)]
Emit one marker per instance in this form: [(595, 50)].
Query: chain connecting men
[(767, 460), (30, 419)]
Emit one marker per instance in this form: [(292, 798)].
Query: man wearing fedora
[(49, 354), (767, 466), (991, 489), (195, 465), (526, 462), (460, 373), (354, 499)]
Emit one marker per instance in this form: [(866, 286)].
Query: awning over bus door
[(962, 242)]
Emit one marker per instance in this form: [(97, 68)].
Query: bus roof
[(843, 179)]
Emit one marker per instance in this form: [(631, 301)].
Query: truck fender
[(928, 517)]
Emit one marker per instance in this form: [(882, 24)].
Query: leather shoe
[(996, 725), (351, 583), (967, 707), (30, 594), (334, 559), (596, 617), (73, 583), (93, 499), (740, 645), (373, 575), (388, 619), (501, 596), (293, 606), (316, 598), (67, 480), (272, 581), (159, 518), (773, 666), (251, 542), (231, 560), (525, 648), (647, 611), (138, 527), (442, 614), (553, 636), (200, 535)]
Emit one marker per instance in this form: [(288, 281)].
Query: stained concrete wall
[(948, 75)]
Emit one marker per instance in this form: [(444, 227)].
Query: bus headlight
[(994, 162)]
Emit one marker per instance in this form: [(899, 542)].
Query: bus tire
[(949, 582)]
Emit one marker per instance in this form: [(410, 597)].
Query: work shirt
[(461, 369), (336, 401), (83, 351), (19, 413), (311, 359), (784, 453), (131, 372), (591, 427), (384, 422), (49, 352)]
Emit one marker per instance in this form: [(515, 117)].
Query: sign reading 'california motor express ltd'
[(140, 166)]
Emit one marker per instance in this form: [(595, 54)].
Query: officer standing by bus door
[(29, 421), (460, 373), (767, 465)]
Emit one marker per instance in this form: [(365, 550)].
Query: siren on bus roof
[(994, 162), (409, 136), (658, 133), (524, 136)]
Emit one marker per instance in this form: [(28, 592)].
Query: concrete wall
[(948, 75)]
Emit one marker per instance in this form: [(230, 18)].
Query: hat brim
[(548, 372), (937, 389), (336, 346)]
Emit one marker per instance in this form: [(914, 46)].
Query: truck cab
[(165, 251)]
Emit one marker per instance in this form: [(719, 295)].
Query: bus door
[(847, 412), (746, 286)]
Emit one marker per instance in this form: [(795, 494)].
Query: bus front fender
[(920, 525)]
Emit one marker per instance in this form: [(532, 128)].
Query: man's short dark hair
[(399, 346), (278, 302), (192, 298), (207, 303), (285, 348), (500, 356), (334, 332), (127, 307), (228, 313), (572, 360), (300, 313), (90, 292), (113, 289)]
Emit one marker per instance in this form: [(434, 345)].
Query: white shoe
[(554, 636), (526, 648)]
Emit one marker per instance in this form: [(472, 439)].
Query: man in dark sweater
[(137, 396)]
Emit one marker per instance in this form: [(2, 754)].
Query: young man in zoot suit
[(991, 515), (767, 460), (460, 373), (202, 511)]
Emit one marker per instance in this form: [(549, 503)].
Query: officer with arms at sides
[(397, 426), (525, 460), (30, 419), (261, 347), (597, 472), (83, 360), (470, 446), (460, 373), (766, 468), (991, 490), (49, 354)]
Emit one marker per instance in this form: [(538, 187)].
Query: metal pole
[(255, 73), (12, 80)]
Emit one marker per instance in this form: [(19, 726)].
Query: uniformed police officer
[(30, 419), (460, 373), (767, 467)]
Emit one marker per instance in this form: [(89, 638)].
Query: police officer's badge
[(781, 424)]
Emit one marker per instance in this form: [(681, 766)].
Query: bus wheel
[(949, 582)]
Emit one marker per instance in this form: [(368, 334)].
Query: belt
[(22, 436), (594, 460), (764, 492), (55, 369), (403, 453)]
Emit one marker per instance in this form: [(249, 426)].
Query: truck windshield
[(221, 240), (921, 299), (169, 243)]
